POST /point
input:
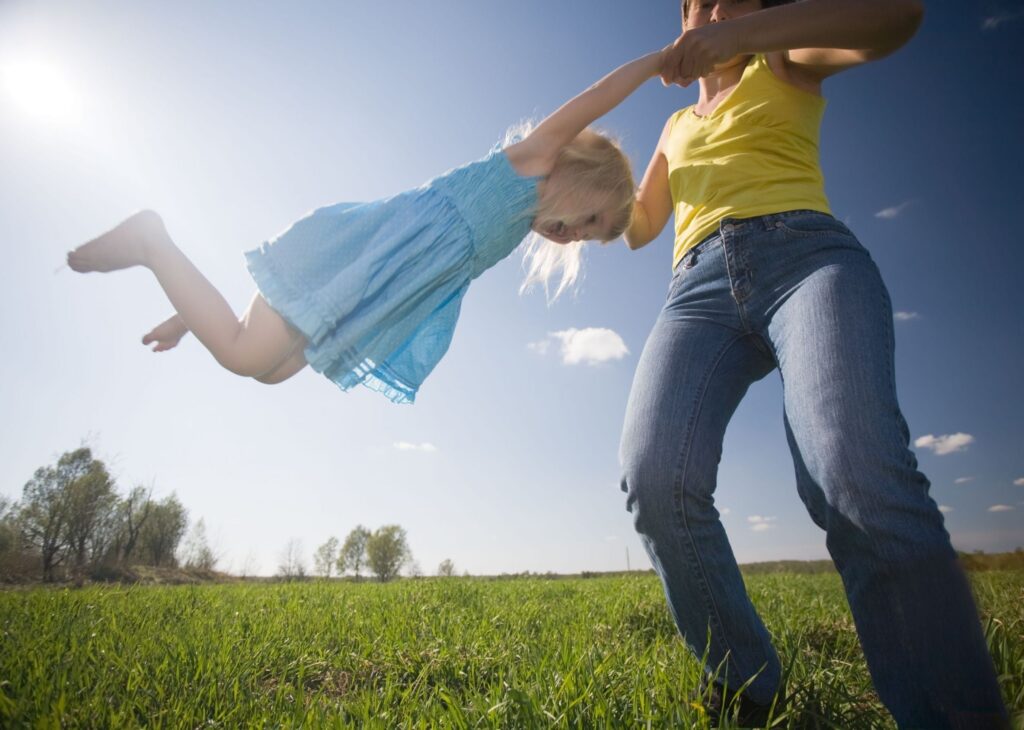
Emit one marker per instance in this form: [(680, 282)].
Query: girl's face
[(702, 12), (579, 216), (588, 227)]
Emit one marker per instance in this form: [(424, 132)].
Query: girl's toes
[(75, 262)]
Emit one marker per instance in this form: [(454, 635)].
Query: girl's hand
[(696, 53)]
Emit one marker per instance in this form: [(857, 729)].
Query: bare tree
[(133, 511), (249, 565), (42, 518), (353, 552), (103, 547), (7, 540), (8, 525), (387, 551), (17, 560), (292, 565), (90, 500), (446, 569), (164, 528), (196, 551), (46, 506), (326, 558)]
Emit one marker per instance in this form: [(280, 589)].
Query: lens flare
[(42, 92)]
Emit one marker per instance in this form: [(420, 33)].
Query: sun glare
[(42, 92)]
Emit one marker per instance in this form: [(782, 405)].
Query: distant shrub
[(993, 561)]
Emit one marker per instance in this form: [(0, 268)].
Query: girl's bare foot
[(123, 246), (167, 334)]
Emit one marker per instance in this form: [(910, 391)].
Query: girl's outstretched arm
[(821, 37), (536, 154)]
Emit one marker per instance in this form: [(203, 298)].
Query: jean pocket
[(812, 224), (678, 274)]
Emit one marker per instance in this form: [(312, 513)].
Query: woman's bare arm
[(821, 37), (653, 205)]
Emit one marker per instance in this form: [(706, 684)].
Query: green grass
[(456, 653)]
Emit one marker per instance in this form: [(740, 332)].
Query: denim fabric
[(797, 292)]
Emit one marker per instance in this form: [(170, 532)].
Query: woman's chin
[(731, 63)]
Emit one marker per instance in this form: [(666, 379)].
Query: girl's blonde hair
[(593, 168)]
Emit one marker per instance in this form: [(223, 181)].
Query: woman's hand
[(696, 53)]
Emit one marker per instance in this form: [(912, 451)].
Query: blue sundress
[(376, 287)]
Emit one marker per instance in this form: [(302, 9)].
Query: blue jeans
[(797, 292)]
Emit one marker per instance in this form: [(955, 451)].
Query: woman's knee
[(895, 521), (662, 491)]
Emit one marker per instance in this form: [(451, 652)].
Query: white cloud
[(724, 511), (425, 447), (760, 524), (540, 347), (589, 346), (893, 212), (944, 509), (1000, 508), (994, 21), (963, 480), (905, 316), (1019, 482), (946, 443)]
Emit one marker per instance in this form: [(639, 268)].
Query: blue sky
[(233, 119)]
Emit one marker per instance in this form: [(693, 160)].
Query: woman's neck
[(717, 84)]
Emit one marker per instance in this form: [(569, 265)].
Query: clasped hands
[(696, 52)]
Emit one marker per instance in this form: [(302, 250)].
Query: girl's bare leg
[(295, 362), (253, 346), (167, 334)]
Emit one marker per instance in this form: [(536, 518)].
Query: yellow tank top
[(756, 153)]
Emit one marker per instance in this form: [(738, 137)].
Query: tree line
[(383, 552), (72, 523)]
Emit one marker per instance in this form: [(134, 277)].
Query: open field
[(457, 652)]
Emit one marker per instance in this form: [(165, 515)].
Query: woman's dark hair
[(764, 4)]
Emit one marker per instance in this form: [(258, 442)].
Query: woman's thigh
[(691, 376), (833, 339)]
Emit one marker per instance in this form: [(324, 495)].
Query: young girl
[(370, 292), (766, 278)]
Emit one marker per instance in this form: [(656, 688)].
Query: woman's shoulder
[(674, 118), (778, 63)]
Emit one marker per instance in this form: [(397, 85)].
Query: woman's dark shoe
[(719, 702)]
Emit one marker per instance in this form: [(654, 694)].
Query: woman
[(765, 277)]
